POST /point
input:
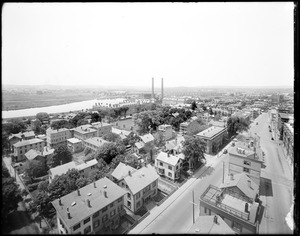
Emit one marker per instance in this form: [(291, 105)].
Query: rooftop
[(121, 171), (244, 150), (32, 154), (100, 124), (232, 204), (100, 194), (147, 138), (74, 140), (168, 158), (123, 133), (206, 225), (53, 131), (141, 178), (97, 141), (242, 182), (286, 116), (19, 135), (28, 142), (84, 129), (211, 132)]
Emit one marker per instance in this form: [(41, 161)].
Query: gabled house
[(169, 165), (120, 172), (141, 186)]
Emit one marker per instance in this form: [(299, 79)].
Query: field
[(24, 101)]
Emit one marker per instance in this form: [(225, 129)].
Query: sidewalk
[(155, 212)]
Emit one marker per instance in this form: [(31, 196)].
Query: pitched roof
[(169, 159), (123, 133), (147, 138), (206, 225), (141, 178), (48, 151), (244, 183), (28, 142), (139, 145), (19, 135), (32, 154), (121, 171), (77, 205), (62, 169)]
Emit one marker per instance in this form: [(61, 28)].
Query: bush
[(32, 187), (24, 192)]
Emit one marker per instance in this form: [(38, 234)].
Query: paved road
[(175, 215), (276, 182)]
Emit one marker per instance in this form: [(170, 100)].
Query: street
[(278, 178), (175, 215)]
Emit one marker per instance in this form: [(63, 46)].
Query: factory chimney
[(162, 89), (152, 88)]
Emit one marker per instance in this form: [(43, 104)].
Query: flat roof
[(28, 142), (211, 132), (84, 129), (97, 141), (52, 131), (74, 140), (77, 205)]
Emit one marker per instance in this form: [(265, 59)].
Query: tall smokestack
[(152, 88), (162, 89)]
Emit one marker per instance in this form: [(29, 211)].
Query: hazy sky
[(187, 44)]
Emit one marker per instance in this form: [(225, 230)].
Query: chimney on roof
[(78, 192), (94, 184), (129, 173), (247, 207), (69, 214), (216, 219), (88, 202), (59, 201), (105, 194), (231, 177)]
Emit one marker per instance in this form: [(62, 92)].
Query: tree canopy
[(236, 124), (108, 151), (35, 168), (193, 149), (42, 116), (193, 105), (112, 137), (11, 194), (61, 156)]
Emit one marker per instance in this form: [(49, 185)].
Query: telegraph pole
[(193, 209), (223, 172)]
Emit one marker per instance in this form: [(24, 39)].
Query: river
[(76, 106)]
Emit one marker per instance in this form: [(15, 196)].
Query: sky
[(128, 44)]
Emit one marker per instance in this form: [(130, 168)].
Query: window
[(104, 218), (96, 214), (120, 199), (87, 229), (170, 167), (96, 223), (161, 163), (138, 204), (153, 184), (146, 189), (120, 208), (129, 204), (129, 196), (246, 170), (170, 174), (86, 220), (104, 209), (137, 196), (248, 163), (76, 227), (112, 213), (111, 205)]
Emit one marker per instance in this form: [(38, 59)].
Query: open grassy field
[(24, 101)]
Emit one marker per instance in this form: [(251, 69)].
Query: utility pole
[(193, 207), (223, 173)]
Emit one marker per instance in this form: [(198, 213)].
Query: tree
[(132, 161), (96, 174), (95, 117), (193, 105), (61, 124), (236, 124), (42, 116), (115, 162), (61, 156), (160, 140), (43, 186), (11, 194), (144, 123), (108, 151), (13, 127), (42, 202), (81, 182), (193, 149), (35, 168), (82, 122), (112, 137)]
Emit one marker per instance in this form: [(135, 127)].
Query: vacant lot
[(24, 101)]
